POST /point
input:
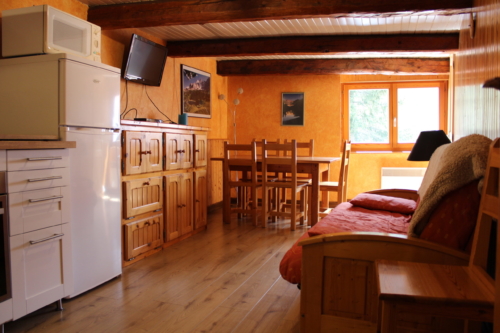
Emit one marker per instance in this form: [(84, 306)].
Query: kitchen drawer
[(18, 181), (143, 235), (33, 210), (142, 196), (37, 159), (40, 271)]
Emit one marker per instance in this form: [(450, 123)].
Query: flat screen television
[(145, 61)]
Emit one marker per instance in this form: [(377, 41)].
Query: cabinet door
[(200, 198), (173, 205), (173, 150), (154, 142), (143, 235), (39, 270), (134, 152), (200, 150), (187, 197), (142, 196), (187, 155)]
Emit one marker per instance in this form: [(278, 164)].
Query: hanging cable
[(157, 107)]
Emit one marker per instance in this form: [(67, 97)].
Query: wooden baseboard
[(212, 208)]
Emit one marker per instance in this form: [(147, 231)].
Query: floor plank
[(224, 279)]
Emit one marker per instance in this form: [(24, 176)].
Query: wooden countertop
[(37, 144), (162, 125)]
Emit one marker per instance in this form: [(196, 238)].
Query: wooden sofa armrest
[(338, 285), (398, 193)]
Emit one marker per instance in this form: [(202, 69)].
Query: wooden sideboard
[(164, 182)]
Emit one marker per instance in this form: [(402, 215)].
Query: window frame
[(393, 144)]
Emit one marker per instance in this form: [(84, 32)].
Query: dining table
[(317, 167)]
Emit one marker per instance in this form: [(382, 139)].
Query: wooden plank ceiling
[(253, 37)]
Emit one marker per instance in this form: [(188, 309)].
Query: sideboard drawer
[(33, 210), (37, 179), (142, 196), (37, 159)]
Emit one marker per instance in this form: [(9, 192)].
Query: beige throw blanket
[(462, 162)]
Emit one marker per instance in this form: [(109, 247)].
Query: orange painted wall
[(258, 116)]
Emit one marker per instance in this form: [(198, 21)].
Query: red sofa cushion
[(452, 223), (383, 202)]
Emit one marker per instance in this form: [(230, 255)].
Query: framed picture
[(292, 109), (195, 93)]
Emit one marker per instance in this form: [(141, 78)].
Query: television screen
[(145, 61)]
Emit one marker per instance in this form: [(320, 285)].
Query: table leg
[(325, 197), (226, 195), (314, 194)]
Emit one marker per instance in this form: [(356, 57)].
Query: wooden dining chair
[(305, 148), (288, 163), (341, 186), (241, 157)]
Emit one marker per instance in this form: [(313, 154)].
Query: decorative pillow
[(453, 222), (383, 202)]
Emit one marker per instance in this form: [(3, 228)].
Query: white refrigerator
[(75, 99)]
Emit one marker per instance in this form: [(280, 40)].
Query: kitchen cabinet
[(162, 205), (200, 150), (39, 228), (143, 152), (178, 151), (200, 198), (179, 204)]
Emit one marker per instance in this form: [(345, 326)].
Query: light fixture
[(236, 101), (427, 142)]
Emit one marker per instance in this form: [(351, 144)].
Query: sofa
[(333, 262)]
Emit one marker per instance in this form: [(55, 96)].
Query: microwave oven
[(45, 29)]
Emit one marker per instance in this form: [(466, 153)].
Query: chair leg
[(293, 213), (265, 206), (303, 205), (254, 205)]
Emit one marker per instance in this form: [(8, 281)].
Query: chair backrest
[(259, 147), (305, 148), (344, 171), (240, 155), (287, 155)]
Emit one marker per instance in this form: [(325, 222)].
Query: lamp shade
[(427, 142)]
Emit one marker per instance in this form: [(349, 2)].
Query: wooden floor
[(223, 280)]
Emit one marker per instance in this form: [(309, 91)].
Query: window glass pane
[(369, 115), (418, 110)]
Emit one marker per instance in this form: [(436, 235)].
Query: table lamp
[(427, 142)]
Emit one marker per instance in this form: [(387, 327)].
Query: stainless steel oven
[(5, 274)]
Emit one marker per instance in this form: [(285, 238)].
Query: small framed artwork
[(195, 85), (292, 109)]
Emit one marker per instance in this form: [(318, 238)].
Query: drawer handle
[(42, 179), (46, 239), (145, 152), (145, 183), (44, 158), (180, 151), (54, 197)]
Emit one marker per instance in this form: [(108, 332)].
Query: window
[(390, 116)]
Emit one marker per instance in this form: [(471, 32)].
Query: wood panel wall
[(214, 170), (477, 110)]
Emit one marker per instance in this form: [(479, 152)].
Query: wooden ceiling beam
[(181, 12), (390, 66), (303, 45)]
